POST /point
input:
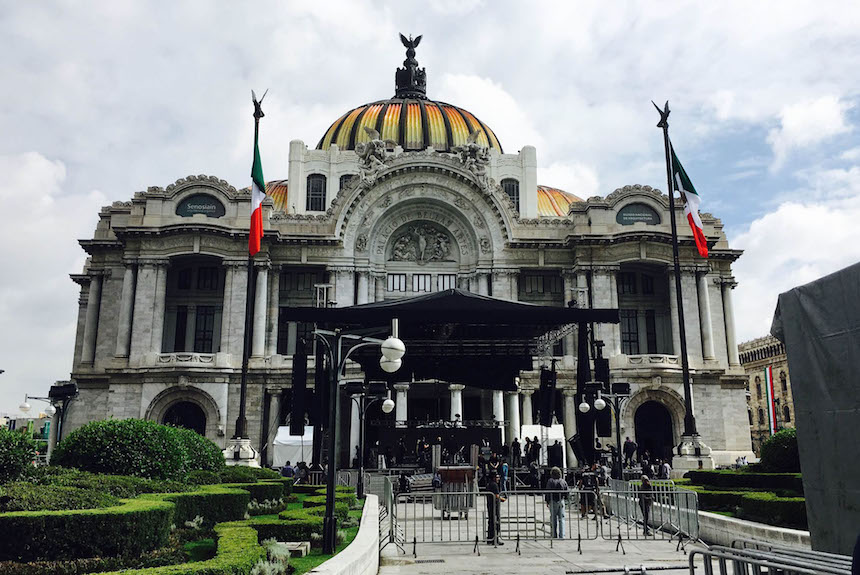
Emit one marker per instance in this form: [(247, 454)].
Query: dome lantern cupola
[(409, 118)]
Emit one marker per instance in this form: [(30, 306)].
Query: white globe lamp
[(599, 404), (25, 407), (388, 405), (584, 407), (389, 365), (50, 410), (393, 348)]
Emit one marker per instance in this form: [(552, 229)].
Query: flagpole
[(241, 421), (689, 418)]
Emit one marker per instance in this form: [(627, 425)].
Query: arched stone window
[(749, 412), (758, 387), (760, 416), (316, 193), (783, 380), (512, 189), (786, 413)]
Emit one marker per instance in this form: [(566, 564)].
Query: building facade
[(756, 356), (399, 197)]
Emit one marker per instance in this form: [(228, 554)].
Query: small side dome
[(553, 202)]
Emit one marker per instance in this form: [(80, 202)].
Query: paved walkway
[(598, 556)]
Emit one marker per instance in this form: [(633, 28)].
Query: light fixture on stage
[(599, 404), (389, 365), (584, 407)]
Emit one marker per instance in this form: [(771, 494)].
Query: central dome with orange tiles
[(409, 119)]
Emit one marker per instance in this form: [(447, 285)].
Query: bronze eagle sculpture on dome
[(409, 43)]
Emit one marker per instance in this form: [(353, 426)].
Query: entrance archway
[(653, 424), (186, 414)]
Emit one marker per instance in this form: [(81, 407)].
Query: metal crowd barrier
[(819, 557), (672, 512), (748, 561)]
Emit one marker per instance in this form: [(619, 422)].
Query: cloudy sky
[(99, 103)]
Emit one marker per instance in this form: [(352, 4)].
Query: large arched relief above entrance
[(421, 242)]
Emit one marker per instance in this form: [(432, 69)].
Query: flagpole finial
[(258, 110), (664, 115)]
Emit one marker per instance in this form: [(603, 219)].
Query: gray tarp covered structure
[(819, 323)]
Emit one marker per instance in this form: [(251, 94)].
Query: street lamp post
[(363, 405), (620, 394), (333, 341)]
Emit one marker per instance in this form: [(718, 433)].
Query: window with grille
[(760, 416), (316, 193), (786, 413), (447, 281), (783, 381), (647, 284), (207, 278), (346, 179), (758, 387), (626, 283), (421, 282), (629, 332), (553, 284), (534, 283), (651, 330), (749, 412), (512, 189), (181, 326), (396, 282), (205, 329), (184, 279)]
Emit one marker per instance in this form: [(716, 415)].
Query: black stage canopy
[(454, 335)]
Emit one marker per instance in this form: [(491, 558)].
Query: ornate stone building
[(756, 356), (400, 197)]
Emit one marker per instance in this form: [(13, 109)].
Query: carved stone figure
[(475, 158), (422, 243), (361, 243), (372, 155)]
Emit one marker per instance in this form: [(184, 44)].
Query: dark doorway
[(654, 430), (186, 414)]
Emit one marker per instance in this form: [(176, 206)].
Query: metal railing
[(748, 561), (785, 551), (672, 512)]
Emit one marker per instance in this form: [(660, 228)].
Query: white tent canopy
[(292, 448), (556, 432)]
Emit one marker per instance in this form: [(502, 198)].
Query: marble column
[(226, 309), (363, 287), (344, 286), (728, 312), (456, 401), (354, 427), (401, 404), (602, 297), (498, 406), (274, 423), (379, 283), (515, 285), (272, 315), (673, 315), (569, 279), (238, 297), (528, 416), (569, 422), (691, 315), (513, 427), (88, 351), (158, 307), (614, 346), (261, 303), (705, 317), (141, 324), (123, 332), (190, 327)]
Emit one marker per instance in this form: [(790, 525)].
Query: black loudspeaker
[(300, 385), (603, 418), (321, 386), (547, 396), (576, 445)]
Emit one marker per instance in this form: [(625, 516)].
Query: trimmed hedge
[(779, 452), (29, 497), (17, 451), (768, 507), (136, 447), (242, 474), (307, 489), (214, 503), (238, 552), (135, 526), (735, 479), (122, 486), (341, 511), (259, 491), (298, 527), (347, 497)]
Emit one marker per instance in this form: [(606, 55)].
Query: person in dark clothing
[(494, 500), (527, 451), (516, 453), (288, 470), (536, 447), (645, 499), (629, 450)]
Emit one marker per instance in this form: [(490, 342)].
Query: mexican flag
[(771, 407), (258, 194), (691, 203)]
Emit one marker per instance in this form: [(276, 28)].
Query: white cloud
[(852, 155), (38, 301), (798, 242), (578, 179), (805, 124)]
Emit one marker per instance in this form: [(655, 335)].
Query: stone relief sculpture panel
[(421, 243)]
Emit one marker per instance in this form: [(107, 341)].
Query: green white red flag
[(771, 407), (684, 186), (258, 194)]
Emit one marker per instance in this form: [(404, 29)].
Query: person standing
[(629, 450), (527, 450), (505, 470), (665, 470), (645, 499), (516, 453), (288, 470), (556, 498), (494, 500), (536, 447)]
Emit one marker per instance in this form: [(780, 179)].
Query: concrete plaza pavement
[(559, 557)]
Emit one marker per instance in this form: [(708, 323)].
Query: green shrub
[(779, 452), (214, 503), (341, 511), (169, 555), (727, 479), (202, 477), (134, 447), (122, 486), (770, 508), (292, 525), (201, 453), (307, 489), (134, 527), (238, 552), (346, 496), (17, 451), (243, 474), (29, 497), (260, 491)]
